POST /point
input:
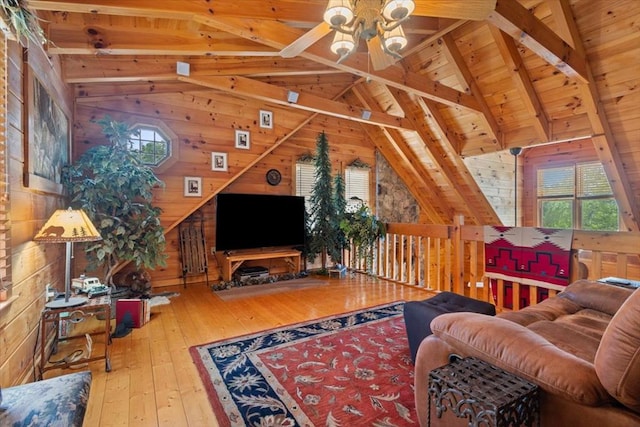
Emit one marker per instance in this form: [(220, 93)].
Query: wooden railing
[(451, 258)]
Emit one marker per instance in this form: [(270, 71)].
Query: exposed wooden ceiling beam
[(445, 148), (603, 139), (185, 10), (266, 31), (522, 80), (125, 40), (406, 171), (278, 36), (515, 20), (279, 95), (90, 69), (486, 115), (435, 198)]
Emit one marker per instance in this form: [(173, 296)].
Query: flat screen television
[(252, 221)]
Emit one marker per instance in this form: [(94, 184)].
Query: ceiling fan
[(379, 23)]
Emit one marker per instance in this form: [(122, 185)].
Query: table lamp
[(67, 226)]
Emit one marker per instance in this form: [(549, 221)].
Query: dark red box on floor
[(138, 309)]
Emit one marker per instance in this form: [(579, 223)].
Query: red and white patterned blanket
[(527, 255)]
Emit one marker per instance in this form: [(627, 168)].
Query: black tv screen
[(252, 221)]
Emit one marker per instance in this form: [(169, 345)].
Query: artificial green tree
[(115, 188), (339, 206), (324, 233)]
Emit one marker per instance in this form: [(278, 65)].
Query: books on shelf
[(136, 310)]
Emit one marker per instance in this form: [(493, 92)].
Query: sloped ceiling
[(530, 72)]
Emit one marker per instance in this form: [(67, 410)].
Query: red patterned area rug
[(348, 370)]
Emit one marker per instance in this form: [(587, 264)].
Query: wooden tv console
[(234, 260)]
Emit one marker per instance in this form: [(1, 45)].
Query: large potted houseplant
[(115, 188), (362, 229)]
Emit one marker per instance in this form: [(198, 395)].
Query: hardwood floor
[(153, 381)]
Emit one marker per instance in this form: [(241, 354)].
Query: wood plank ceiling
[(530, 72)]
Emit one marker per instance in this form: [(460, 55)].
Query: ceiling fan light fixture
[(338, 13), (395, 40), (343, 44), (397, 10)]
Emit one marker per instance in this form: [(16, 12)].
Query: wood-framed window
[(154, 143), (356, 186), (150, 145), (576, 196), (305, 178), (356, 183)]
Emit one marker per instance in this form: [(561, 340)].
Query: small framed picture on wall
[(266, 119), (242, 140), (219, 162), (192, 186)]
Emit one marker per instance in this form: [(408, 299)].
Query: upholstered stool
[(419, 314)]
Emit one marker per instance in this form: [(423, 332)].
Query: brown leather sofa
[(582, 347)]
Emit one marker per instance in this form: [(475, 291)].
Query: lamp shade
[(68, 225), (343, 44), (395, 10), (338, 13), (395, 39)]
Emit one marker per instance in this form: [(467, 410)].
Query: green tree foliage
[(322, 216), (557, 214), (363, 229), (114, 188), (340, 206), (600, 215)]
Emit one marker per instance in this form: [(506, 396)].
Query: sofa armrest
[(522, 352), (60, 401)]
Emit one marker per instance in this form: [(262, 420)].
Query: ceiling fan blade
[(379, 59), (306, 40), (474, 10)]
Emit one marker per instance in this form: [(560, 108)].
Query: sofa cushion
[(549, 309), (597, 296), (617, 361), (524, 353)]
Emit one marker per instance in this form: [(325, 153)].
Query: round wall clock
[(274, 177)]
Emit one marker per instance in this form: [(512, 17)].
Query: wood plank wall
[(204, 121), (33, 264)]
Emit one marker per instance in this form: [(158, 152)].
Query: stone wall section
[(395, 203)]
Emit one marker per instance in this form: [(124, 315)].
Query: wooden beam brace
[(279, 95), (603, 139), (94, 69), (514, 19), (443, 149), (418, 171), (522, 80), (258, 22), (489, 122), (279, 36)]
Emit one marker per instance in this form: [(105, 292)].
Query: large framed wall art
[(48, 139)]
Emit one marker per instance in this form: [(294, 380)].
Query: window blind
[(357, 184), (592, 180), (556, 182)]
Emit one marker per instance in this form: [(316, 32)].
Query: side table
[(100, 307), (485, 394)]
